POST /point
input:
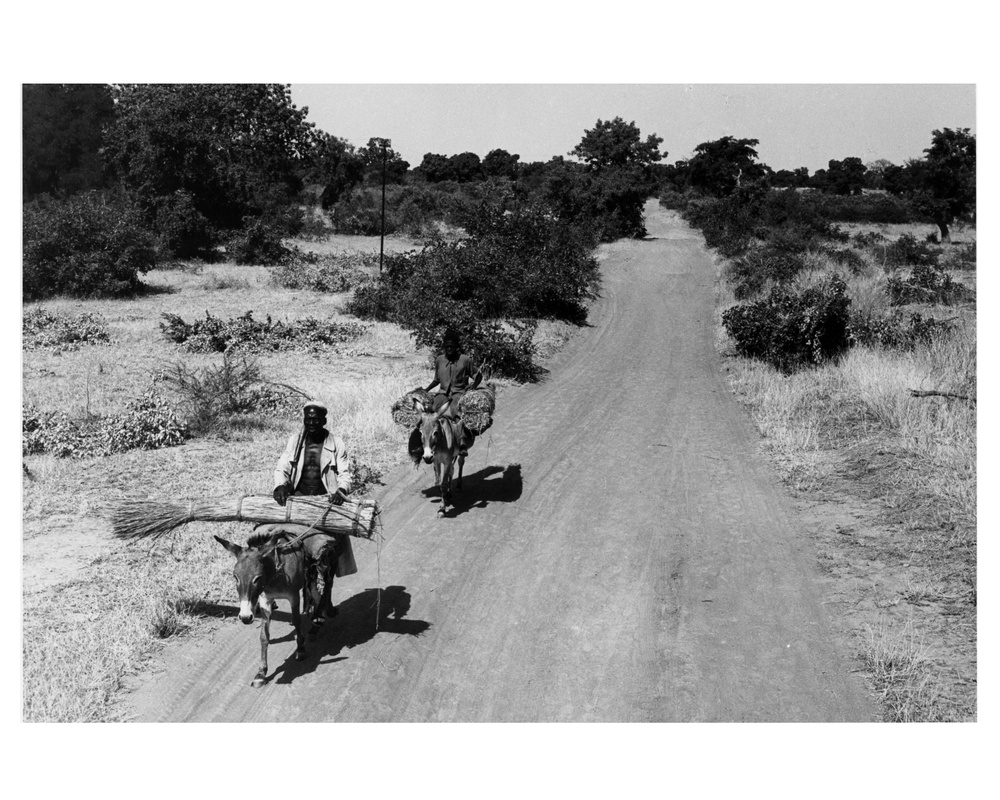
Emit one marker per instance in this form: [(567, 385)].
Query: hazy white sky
[(797, 124)]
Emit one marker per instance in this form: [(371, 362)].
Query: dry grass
[(853, 427), (85, 633)]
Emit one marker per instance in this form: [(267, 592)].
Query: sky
[(796, 124)]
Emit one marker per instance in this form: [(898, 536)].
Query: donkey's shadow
[(354, 624), (481, 488)]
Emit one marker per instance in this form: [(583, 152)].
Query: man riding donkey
[(315, 463), (452, 372)]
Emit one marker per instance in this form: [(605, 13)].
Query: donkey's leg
[(265, 636), (461, 463), (446, 473), (300, 639)]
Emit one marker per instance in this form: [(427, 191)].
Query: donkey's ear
[(443, 410), (418, 405), (235, 549)]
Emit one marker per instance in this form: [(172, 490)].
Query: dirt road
[(618, 554)]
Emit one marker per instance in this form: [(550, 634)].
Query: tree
[(617, 145), (466, 167), (945, 181), (62, 128), (436, 168), (718, 167), (336, 165), (846, 177), (501, 164), (235, 150), (875, 175), (395, 167)]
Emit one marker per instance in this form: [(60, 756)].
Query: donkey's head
[(253, 571), (434, 435)]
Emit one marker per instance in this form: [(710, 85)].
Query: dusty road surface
[(618, 554)]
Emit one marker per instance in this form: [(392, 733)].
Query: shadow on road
[(481, 488), (354, 624)]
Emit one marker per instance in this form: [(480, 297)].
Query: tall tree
[(501, 164), (372, 155), (617, 144), (718, 167), (336, 165), (62, 135), (847, 176), (233, 150), (945, 181)]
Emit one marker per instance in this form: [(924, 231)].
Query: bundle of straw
[(477, 406), (403, 412), (138, 519)]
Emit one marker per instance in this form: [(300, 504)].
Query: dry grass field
[(887, 483), (94, 608)]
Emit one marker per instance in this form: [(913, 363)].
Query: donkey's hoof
[(259, 681), (300, 655)]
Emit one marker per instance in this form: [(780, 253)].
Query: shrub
[(789, 330), (182, 230), (365, 477), (213, 396), (341, 272), (874, 208), (41, 329), (906, 251), (846, 257), (215, 335), (258, 243), (750, 272), (88, 245), (893, 333), (926, 284), (147, 423)]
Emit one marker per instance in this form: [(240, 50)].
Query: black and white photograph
[(517, 408)]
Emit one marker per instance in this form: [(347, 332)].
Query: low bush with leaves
[(148, 422), (892, 332), (790, 330), (316, 272), (41, 329), (759, 265), (88, 245), (927, 283), (906, 251), (247, 335), (845, 257)]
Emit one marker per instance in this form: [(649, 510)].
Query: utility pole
[(385, 143)]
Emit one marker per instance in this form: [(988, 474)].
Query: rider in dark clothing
[(452, 372)]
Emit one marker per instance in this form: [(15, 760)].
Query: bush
[(892, 333), (789, 330), (41, 329), (213, 396), (182, 230), (341, 272), (147, 423), (258, 243), (88, 245), (846, 257), (215, 335), (906, 251), (926, 284), (874, 208), (537, 267), (752, 271)]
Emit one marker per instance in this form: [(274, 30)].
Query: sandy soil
[(619, 553)]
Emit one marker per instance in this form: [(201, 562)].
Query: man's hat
[(321, 407)]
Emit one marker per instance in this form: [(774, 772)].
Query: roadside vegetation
[(185, 291), (854, 345)]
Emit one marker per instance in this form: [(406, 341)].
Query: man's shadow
[(359, 619), (480, 489)]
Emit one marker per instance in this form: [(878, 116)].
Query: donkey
[(264, 574), (439, 437)]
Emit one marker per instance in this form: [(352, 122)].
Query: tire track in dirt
[(622, 556)]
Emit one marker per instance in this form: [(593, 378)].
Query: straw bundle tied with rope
[(403, 412), (138, 519), (477, 406)]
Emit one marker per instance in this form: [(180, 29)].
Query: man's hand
[(338, 497), (281, 494)]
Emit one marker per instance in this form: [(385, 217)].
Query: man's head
[(313, 417), (451, 343)]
